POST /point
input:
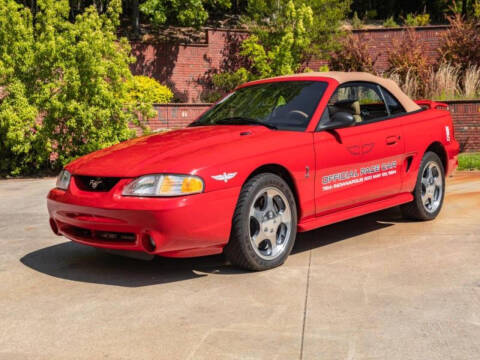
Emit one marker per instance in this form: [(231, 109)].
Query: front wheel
[(429, 190), (264, 225)]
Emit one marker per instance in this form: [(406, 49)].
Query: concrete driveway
[(374, 287)]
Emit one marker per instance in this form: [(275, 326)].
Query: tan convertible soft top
[(343, 77)]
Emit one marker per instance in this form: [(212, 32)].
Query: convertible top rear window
[(287, 105)]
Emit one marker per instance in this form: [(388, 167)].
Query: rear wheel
[(429, 190), (264, 224)]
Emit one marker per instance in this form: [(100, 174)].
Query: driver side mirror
[(339, 120)]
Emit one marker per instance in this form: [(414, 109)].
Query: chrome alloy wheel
[(432, 187), (270, 223)]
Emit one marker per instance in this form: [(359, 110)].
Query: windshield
[(287, 105)]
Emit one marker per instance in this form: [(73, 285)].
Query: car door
[(338, 157), (384, 145), (357, 164)]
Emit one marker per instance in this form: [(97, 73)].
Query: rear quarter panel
[(421, 130)]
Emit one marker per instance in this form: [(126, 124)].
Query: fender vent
[(408, 163)]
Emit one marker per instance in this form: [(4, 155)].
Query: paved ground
[(375, 287)]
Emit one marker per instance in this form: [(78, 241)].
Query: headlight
[(63, 179), (164, 185)]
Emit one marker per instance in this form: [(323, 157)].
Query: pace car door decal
[(355, 176)]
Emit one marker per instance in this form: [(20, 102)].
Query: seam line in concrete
[(306, 303)]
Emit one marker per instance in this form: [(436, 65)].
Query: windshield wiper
[(239, 120)]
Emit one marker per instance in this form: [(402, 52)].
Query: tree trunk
[(464, 8), (135, 17)]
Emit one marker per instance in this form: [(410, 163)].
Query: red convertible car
[(273, 158)]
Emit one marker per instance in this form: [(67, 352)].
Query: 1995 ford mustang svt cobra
[(274, 157)]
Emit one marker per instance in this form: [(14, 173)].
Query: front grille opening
[(115, 236), (78, 232), (98, 236), (95, 183)]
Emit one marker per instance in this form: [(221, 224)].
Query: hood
[(178, 151)]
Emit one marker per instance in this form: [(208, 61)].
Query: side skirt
[(349, 213)]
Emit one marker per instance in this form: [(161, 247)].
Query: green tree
[(286, 33), (271, 16), (281, 48), (181, 12), (63, 84)]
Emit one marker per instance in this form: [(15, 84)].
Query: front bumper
[(187, 226)]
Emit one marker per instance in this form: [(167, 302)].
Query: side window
[(363, 100), (393, 105)]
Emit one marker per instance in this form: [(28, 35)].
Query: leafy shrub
[(409, 62), (19, 131), (143, 89), (64, 85), (461, 43), (353, 55), (142, 93), (417, 20), (390, 23)]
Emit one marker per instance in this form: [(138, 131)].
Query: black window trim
[(382, 89), (352, 83), (379, 88)]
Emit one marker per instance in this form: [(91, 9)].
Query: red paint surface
[(200, 224)]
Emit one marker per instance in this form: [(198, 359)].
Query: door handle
[(392, 140)]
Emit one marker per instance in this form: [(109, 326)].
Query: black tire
[(239, 250), (416, 210)]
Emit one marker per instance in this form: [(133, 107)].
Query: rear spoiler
[(430, 104)]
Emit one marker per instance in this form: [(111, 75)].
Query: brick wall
[(186, 67), (466, 119), (465, 114), (380, 40), (172, 116)]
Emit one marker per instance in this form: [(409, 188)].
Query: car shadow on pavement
[(347, 229), (77, 262)]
